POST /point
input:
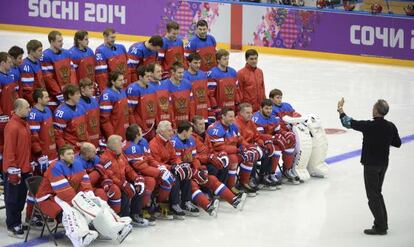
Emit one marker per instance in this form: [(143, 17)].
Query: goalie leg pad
[(87, 204), (303, 150), (317, 166), (107, 225), (75, 224)]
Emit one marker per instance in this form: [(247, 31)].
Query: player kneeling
[(65, 194)]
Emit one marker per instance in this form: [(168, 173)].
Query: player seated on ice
[(271, 128), (132, 185), (217, 163), (263, 172), (158, 178), (103, 185), (224, 136), (186, 148), (66, 195), (162, 150)]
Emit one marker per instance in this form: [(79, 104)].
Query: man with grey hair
[(16, 166), (378, 135), (162, 150)]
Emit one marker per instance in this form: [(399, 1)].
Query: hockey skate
[(239, 201)]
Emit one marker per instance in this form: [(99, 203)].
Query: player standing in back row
[(203, 44)]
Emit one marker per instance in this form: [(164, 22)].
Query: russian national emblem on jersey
[(81, 131), (181, 105), (64, 73), (150, 108), (229, 92), (208, 59), (164, 104), (200, 94)]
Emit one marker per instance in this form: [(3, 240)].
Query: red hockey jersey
[(114, 114), (43, 133), (70, 125)]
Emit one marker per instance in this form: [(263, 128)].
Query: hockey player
[(143, 53), (248, 131), (110, 57), (172, 50), (57, 69), (123, 175), (44, 150), (224, 135), (156, 174), (163, 151), (8, 93), (216, 163), (204, 44), (142, 102), (82, 57), (70, 119), (251, 82), (102, 184), (31, 71), (280, 108), (16, 166), (180, 93), (113, 105), (164, 108), (16, 54), (91, 106), (185, 148), (269, 126), (223, 85), (198, 80), (65, 194)]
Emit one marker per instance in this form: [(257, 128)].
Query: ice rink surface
[(322, 212)]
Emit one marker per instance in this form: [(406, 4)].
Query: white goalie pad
[(102, 217), (76, 226), (303, 150), (294, 120), (317, 166)]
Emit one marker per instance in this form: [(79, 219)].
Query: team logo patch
[(93, 123), (200, 94), (150, 108), (81, 131), (178, 57), (64, 73), (164, 104), (181, 105), (208, 60), (229, 92), (90, 71)]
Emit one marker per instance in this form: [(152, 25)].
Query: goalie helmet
[(409, 10), (320, 4), (376, 8)]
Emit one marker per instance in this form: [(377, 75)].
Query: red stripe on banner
[(236, 26)]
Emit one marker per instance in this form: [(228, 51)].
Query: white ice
[(322, 212)]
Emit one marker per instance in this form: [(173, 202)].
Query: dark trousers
[(374, 178), (130, 206), (184, 187), (15, 199), (221, 174)]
